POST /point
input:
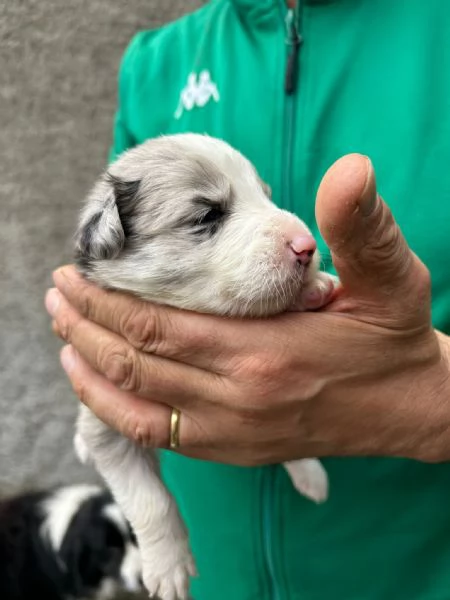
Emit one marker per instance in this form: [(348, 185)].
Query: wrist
[(432, 400)]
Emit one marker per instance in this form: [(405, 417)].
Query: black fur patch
[(125, 194), (92, 549), (84, 263), (124, 197), (211, 218), (88, 232)]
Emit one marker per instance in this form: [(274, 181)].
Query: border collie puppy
[(71, 542), (185, 220)]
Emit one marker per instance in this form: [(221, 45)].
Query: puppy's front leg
[(132, 474), (317, 293)]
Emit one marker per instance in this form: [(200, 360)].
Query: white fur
[(115, 515), (60, 509), (108, 590), (245, 268), (132, 474), (131, 568)]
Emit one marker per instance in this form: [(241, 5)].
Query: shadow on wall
[(58, 70)]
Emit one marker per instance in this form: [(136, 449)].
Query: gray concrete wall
[(58, 68)]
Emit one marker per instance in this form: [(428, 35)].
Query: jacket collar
[(268, 12), (259, 10), (264, 6)]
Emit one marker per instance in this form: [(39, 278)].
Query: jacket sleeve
[(122, 138)]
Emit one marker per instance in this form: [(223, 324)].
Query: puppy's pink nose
[(303, 246)]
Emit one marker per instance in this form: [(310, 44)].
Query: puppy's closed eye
[(209, 219)]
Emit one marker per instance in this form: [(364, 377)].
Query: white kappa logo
[(197, 93)]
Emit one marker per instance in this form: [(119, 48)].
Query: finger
[(368, 249), (145, 422), (168, 332), (165, 380)]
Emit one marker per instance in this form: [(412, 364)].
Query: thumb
[(368, 249)]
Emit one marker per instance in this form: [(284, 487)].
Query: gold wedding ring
[(175, 428)]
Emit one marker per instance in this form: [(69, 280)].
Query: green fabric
[(373, 77)]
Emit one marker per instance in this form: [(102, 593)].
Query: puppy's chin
[(275, 293), (265, 307), (257, 304)]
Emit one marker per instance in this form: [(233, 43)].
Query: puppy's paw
[(167, 562), (167, 572), (318, 293), (309, 478), (81, 449)]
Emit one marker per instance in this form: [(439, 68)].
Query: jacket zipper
[(293, 42), (268, 496)]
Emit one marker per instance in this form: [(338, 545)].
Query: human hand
[(366, 376)]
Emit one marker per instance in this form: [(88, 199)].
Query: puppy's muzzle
[(302, 249)]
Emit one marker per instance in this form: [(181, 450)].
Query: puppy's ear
[(102, 235)]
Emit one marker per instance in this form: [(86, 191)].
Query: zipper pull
[(294, 39)]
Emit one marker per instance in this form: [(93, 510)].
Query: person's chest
[(371, 77)]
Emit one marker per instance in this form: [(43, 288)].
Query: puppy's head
[(91, 542), (185, 220)]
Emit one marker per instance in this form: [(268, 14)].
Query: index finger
[(168, 332)]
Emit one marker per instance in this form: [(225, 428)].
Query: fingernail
[(60, 276), (52, 300), (67, 358), (368, 199)]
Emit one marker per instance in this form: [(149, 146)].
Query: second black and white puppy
[(185, 220), (71, 542)]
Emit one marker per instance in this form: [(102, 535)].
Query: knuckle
[(143, 434), (254, 368), (264, 371), (120, 367), (148, 329), (142, 328), (258, 381)]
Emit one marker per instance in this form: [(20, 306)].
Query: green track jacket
[(369, 76)]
